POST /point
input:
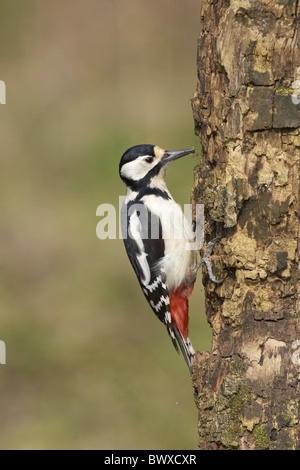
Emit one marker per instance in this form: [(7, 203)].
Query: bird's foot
[(206, 261)]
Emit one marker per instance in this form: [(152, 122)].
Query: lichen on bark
[(247, 115)]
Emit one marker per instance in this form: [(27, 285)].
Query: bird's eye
[(149, 159)]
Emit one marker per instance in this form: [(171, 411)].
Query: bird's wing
[(145, 248)]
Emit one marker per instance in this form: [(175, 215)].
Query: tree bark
[(247, 115)]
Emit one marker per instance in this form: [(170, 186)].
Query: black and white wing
[(145, 247)]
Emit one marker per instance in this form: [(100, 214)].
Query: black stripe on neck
[(144, 182), (148, 192), (155, 191)]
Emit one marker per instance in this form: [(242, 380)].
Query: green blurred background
[(88, 364)]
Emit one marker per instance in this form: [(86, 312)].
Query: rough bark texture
[(247, 114)]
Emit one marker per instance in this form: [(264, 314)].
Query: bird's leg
[(205, 261)]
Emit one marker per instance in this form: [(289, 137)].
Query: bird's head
[(140, 164)]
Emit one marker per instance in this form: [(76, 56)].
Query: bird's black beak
[(171, 155)]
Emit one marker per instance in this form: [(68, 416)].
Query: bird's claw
[(205, 261)]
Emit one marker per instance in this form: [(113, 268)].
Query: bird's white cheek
[(133, 170), (136, 170)]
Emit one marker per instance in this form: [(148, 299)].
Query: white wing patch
[(135, 231), (142, 259)]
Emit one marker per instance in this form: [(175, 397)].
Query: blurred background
[(88, 364)]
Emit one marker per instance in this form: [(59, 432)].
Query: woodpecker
[(158, 240)]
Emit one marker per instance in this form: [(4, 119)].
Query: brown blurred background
[(88, 364)]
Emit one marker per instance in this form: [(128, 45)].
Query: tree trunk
[(247, 114)]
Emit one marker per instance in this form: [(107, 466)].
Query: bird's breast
[(178, 238)]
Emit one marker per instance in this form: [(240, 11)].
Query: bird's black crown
[(136, 151)]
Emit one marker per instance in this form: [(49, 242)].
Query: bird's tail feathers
[(185, 345)]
